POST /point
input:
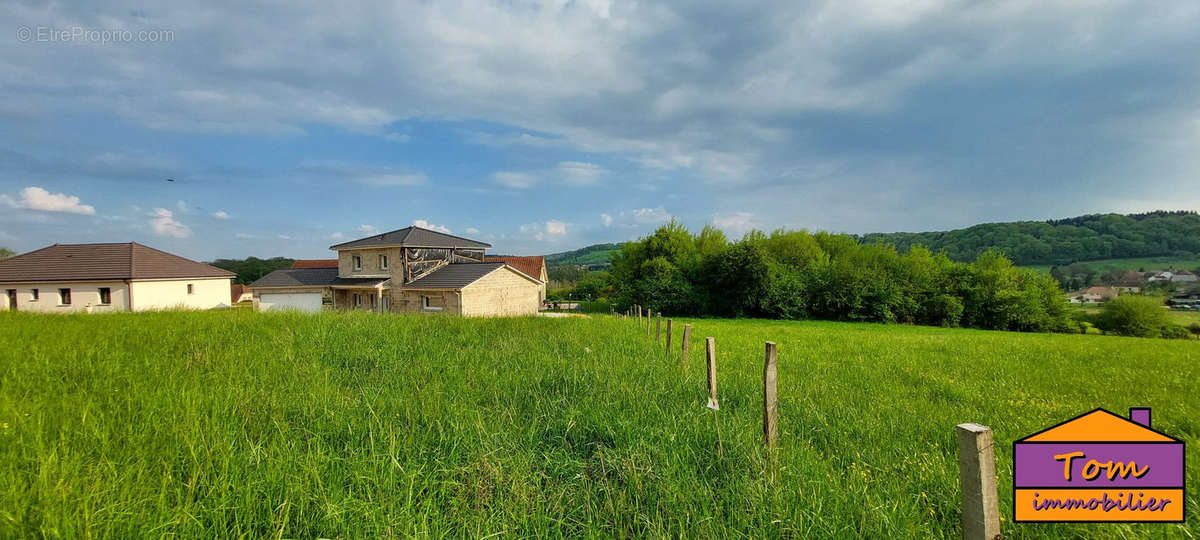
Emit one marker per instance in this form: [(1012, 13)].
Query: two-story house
[(409, 270)]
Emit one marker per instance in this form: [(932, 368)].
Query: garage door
[(297, 301)]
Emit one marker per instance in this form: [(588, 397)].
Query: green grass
[(1179, 316), (242, 424), (1148, 264)]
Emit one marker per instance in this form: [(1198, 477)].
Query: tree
[(6, 253), (1132, 315)]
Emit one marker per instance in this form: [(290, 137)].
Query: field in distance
[(1149, 264), (236, 423)]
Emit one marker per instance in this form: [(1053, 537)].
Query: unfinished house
[(409, 270)]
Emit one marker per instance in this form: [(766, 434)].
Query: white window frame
[(357, 300), (64, 296), (356, 262), (36, 295), (383, 262), (191, 288), (101, 292), (427, 305)]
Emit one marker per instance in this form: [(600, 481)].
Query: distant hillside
[(1064, 241), (595, 256), (248, 270)]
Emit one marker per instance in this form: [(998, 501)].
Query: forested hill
[(598, 255), (1064, 241)]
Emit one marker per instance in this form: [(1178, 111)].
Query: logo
[(1099, 466)]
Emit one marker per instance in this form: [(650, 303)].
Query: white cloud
[(163, 223), (398, 137), (283, 237), (5, 200), (514, 180), (36, 198), (580, 173), (427, 225), (337, 236), (367, 229), (221, 214), (735, 223), (651, 215), (472, 230), (548, 231), (606, 219)]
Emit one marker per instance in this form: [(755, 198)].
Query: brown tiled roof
[(314, 263), (413, 237), (236, 290), (86, 262), (531, 266)]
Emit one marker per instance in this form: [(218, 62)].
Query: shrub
[(1128, 315), (1194, 328)]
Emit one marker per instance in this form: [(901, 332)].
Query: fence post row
[(977, 477), (770, 399)]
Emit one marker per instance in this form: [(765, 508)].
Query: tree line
[(250, 269), (790, 274), (1063, 241)]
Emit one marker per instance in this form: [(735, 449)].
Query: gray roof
[(75, 262), (455, 276), (298, 277), (313, 277), (413, 237)]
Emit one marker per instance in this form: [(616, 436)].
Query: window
[(372, 301), (191, 288), (357, 300), (35, 295), (383, 262), (428, 305), (106, 295), (357, 262), (64, 297)]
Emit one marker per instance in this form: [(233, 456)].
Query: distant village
[(1182, 288)]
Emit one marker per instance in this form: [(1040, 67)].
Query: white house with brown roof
[(65, 278), (409, 270)]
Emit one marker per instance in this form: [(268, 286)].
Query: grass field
[(1179, 316), (241, 424), (1148, 264)]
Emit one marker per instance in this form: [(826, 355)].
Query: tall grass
[(229, 424)]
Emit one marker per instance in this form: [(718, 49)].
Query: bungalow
[(64, 278), (409, 270)]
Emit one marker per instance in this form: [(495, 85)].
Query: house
[(64, 278), (1183, 276), (239, 293), (1094, 294), (533, 266), (1090, 458), (409, 270), (1165, 275)]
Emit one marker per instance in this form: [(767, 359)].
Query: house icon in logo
[(1099, 466)]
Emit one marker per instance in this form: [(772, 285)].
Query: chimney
[(1140, 415)]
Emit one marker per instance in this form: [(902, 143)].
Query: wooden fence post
[(977, 477), (687, 338), (658, 328), (710, 352), (770, 399), (668, 336), (648, 322)]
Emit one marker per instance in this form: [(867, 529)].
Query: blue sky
[(549, 125)]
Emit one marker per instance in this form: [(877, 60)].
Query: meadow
[(243, 424)]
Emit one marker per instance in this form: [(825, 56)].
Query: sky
[(543, 126)]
